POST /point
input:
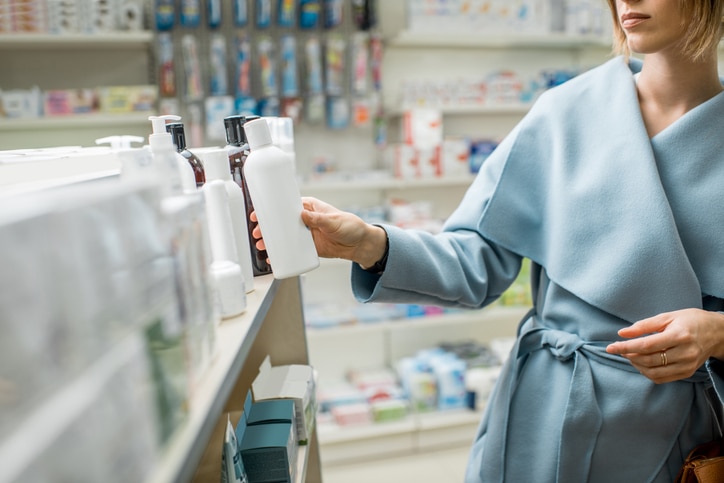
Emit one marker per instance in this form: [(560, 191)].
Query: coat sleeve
[(458, 267)]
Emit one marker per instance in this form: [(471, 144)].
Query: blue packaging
[(241, 13), (190, 13), (213, 12), (164, 13), (263, 13), (337, 112), (217, 59), (289, 73), (479, 152), (309, 14), (286, 10), (332, 13)]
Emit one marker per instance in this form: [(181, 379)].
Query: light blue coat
[(619, 227)]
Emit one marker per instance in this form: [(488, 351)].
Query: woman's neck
[(669, 88)]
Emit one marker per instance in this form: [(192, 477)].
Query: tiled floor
[(443, 466)]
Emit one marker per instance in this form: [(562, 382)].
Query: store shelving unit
[(375, 345), (74, 122), (387, 183), (74, 61), (272, 325), (104, 41), (412, 39)]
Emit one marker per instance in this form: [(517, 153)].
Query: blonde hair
[(703, 33)]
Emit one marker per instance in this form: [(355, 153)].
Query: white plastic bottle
[(229, 283), (164, 151), (216, 167), (278, 204)]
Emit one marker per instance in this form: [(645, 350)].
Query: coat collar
[(579, 192)]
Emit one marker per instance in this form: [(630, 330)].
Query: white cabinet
[(73, 62)]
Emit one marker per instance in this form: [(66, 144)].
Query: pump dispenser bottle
[(176, 129), (216, 166), (238, 149), (165, 153), (278, 204)]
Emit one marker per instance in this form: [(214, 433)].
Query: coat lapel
[(579, 193)]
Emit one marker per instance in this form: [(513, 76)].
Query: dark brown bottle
[(238, 150), (179, 139)]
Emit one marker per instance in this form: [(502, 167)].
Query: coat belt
[(582, 418)]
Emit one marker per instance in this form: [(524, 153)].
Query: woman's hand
[(673, 345), (338, 234)]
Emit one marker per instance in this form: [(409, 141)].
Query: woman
[(613, 186)]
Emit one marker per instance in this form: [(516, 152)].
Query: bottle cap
[(257, 133), (233, 126), (176, 129), (216, 164)]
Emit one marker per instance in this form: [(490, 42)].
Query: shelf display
[(133, 338)]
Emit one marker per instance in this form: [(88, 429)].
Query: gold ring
[(664, 360)]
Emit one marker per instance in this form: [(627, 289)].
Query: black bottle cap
[(233, 125), (176, 129)]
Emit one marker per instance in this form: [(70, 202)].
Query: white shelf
[(118, 40), (334, 434), (489, 109), (419, 323), (234, 338), (75, 121), (383, 184), (416, 432), (471, 40)]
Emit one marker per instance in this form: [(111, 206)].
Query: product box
[(130, 15), (98, 16), (126, 99), (479, 152), (422, 128), (358, 414), (23, 16), (271, 411), (69, 101), (406, 164), (455, 158), (428, 160), (269, 453), (21, 103), (296, 382), (64, 16)]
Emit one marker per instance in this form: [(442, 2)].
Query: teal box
[(269, 453), (271, 411), (247, 403)]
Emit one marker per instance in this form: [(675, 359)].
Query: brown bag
[(705, 464)]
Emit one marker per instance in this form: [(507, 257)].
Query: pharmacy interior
[(141, 323)]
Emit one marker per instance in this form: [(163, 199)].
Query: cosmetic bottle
[(216, 166), (181, 176), (227, 277), (238, 149), (278, 204), (176, 129)]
